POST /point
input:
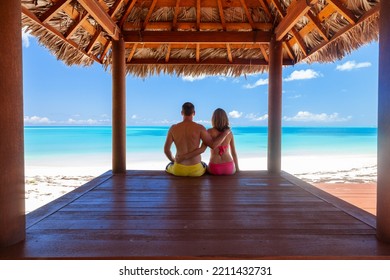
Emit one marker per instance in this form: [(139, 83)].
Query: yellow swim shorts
[(186, 170)]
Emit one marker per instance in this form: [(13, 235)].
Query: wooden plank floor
[(150, 214)]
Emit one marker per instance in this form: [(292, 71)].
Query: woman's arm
[(234, 153)]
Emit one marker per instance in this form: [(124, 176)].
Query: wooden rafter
[(300, 41), (55, 32), (93, 41), (221, 14), (52, 11), (168, 53), (197, 53), (76, 26), (279, 8), (229, 26), (289, 51), (196, 37), (248, 14), (318, 25), (198, 14), (215, 61), (174, 22), (150, 12), (115, 8), (129, 7), (131, 54), (342, 31), (295, 11), (189, 46), (229, 53), (101, 17), (263, 52), (266, 8), (339, 6), (107, 46)]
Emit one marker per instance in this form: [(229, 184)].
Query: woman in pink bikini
[(223, 158)]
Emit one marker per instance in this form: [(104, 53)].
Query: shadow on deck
[(150, 214)]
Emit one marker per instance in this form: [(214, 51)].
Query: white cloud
[(235, 114), (254, 117), (351, 65), (302, 75), (87, 122), (193, 78), (305, 116), (133, 117), (26, 37), (37, 120), (260, 82)]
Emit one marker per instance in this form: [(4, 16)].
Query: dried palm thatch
[(326, 30)]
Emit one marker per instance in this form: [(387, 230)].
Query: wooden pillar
[(275, 106), (383, 182), (118, 107), (12, 217)]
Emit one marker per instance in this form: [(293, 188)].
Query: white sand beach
[(46, 183)]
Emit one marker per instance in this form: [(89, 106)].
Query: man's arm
[(206, 138), (168, 144), (194, 153)]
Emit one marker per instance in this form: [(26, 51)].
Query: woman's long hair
[(220, 120)]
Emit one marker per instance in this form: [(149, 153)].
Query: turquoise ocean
[(50, 145)]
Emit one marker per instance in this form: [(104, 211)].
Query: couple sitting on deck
[(187, 136)]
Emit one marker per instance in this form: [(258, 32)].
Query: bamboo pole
[(12, 208), (275, 106), (118, 107)]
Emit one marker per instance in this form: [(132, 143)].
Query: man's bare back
[(187, 136)]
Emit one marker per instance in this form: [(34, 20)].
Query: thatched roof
[(197, 37)]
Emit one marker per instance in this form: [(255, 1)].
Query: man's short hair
[(188, 109)]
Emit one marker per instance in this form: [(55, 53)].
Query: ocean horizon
[(64, 146)]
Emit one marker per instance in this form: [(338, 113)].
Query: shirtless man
[(187, 136)]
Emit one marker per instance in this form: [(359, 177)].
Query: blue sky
[(343, 93)]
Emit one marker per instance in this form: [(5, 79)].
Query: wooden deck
[(150, 214)]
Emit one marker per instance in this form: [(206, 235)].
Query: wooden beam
[(191, 26), (342, 31), (150, 12), (196, 37), (248, 14), (279, 8), (229, 53), (341, 9), (294, 12), (266, 8), (131, 54), (215, 61), (201, 46), (168, 53), (58, 34), (221, 15), (76, 26), (174, 21), (52, 11), (93, 41), (300, 41), (197, 53), (129, 7), (289, 51), (197, 14), (318, 25), (263, 52), (101, 17)]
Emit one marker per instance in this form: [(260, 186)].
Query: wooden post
[(275, 106), (118, 107), (12, 216), (383, 182)]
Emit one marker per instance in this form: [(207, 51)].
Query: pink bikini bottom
[(226, 168)]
